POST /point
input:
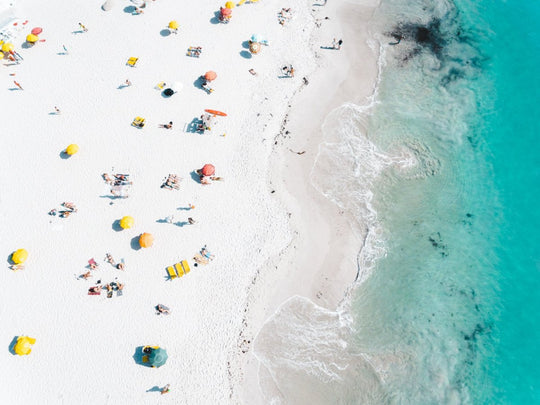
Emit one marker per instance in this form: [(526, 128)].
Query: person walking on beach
[(128, 83), (57, 110), (339, 44), (83, 28), (18, 84), (191, 221), (66, 52), (165, 389)]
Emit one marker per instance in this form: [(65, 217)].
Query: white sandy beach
[(268, 245)]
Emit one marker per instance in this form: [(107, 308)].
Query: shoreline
[(323, 239)]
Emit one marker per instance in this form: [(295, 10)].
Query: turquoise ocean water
[(445, 175)]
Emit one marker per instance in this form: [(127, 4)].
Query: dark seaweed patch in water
[(428, 36)]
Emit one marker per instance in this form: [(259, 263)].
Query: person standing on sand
[(83, 27), (57, 110), (165, 389), (339, 44), (128, 82), (18, 84)]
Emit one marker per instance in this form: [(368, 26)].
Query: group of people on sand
[(93, 265), (110, 287), (69, 208), (172, 182)]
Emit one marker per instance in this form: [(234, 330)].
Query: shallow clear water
[(444, 173)]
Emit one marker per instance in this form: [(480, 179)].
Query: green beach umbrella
[(157, 357)]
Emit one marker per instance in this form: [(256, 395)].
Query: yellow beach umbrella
[(19, 256), (146, 240), (126, 222), (230, 5), (31, 38), (1, 55), (24, 345), (72, 149), (7, 47), (173, 25)]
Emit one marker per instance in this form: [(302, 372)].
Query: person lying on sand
[(167, 126), (70, 206), (206, 253), (205, 180), (161, 309), (109, 258), (120, 266), (86, 275), (95, 289)]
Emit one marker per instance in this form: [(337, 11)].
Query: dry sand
[(86, 344)]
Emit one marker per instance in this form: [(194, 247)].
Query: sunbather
[(167, 126), (65, 214), (206, 253), (70, 206), (86, 275), (108, 179), (205, 180), (162, 309), (95, 289), (109, 258)]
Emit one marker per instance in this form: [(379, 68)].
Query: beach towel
[(119, 293), (94, 292)]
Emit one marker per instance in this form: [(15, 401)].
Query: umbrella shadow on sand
[(138, 356), (135, 245), (12, 345), (198, 82), (245, 54), (116, 226), (64, 155), (195, 176), (165, 32), (215, 18), (129, 9)]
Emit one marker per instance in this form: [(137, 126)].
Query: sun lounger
[(200, 259), (160, 85), (138, 122), (185, 266), (132, 61), (171, 272), (179, 269)]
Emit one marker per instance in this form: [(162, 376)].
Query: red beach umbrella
[(208, 170), (210, 75), (37, 30)]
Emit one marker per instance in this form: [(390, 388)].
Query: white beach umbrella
[(109, 4), (177, 86)]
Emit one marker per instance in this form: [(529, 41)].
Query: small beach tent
[(146, 240), (210, 75), (173, 25), (72, 149), (127, 222), (230, 5), (208, 170), (37, 30), (24, 345), (7, 47), (155, 357), (19, 256), (31, 38)]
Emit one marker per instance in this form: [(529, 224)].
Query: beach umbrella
[(230, 5), (257, 38), (108, 5), (173, 25), (1, 55), (19, 256), (7, 47), (126, 222), (146, 240), (226, 12), (216, 112), (210, 75), (31, 38), (37, 30), (72, 149), (208, 170), (157, 357), (254, 47), (24, 345)]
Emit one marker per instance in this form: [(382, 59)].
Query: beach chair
[(171, 272), (179, 269), (160, 85), (185, 266), (200, 259), (138, 122), (132, 61)]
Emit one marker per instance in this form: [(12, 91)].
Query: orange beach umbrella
[(208, 170), (146, 240), (210, 75)]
